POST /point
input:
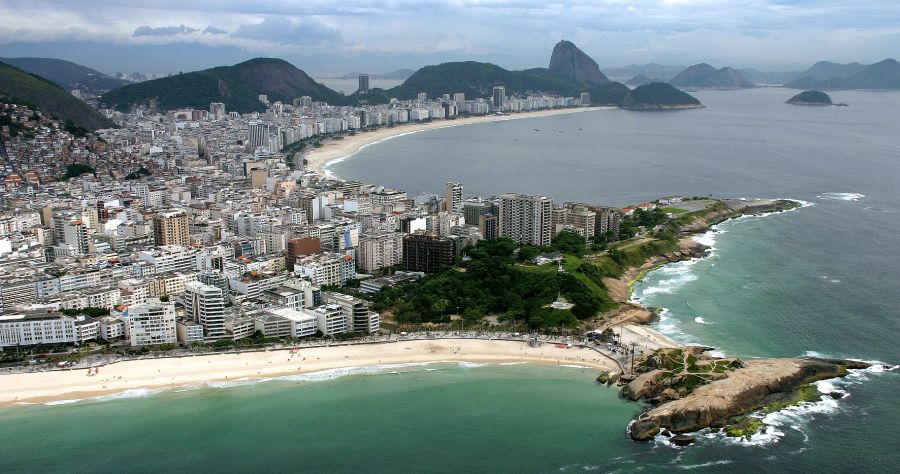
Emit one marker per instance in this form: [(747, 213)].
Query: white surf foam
[(700, 320), (841, 196)]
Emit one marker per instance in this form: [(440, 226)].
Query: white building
[(36, 328), (205, 305), (152, 322)]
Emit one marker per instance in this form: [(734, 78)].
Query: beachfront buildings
[(205, 305), (526, 219), (25, 329), (356, 310), (152, 323)]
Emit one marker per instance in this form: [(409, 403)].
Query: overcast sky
[(338, 36)]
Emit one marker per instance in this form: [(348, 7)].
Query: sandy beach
[(333, 150), (163, 373)]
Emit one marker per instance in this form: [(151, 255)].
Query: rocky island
[(659, 96), (816, 98)]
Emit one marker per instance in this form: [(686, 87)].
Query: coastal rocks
[(683, 439), (643, 430), (745, 389), (643, 385)]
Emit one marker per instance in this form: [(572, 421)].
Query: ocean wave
[(721, 462), (841, 196), (700, 320), (125, 394), (707, 238)]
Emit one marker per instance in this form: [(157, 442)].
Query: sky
[(343, 36)]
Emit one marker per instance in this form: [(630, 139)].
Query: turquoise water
[(823, 280)]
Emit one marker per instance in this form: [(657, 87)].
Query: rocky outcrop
[(741, 391), (643, 430), (572, 63)]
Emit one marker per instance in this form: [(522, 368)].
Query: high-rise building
[(498, 101), (526, 219), (585, 98), (205, 305), (428, 252), (217, 109), (258, 133), (381, 250), (474, 208), (171, 228), (459, 98), (152, 322), (300, 248), (356, 310), (487, 225), (453, 199), (363, 82), (422, 97)]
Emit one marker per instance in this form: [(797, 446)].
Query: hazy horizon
[(382, 36)]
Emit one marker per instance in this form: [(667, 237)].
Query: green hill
[(477, 79), (659, 96), (881, 75), (810, 98), (67, 74), (48, 97), (237, 86)]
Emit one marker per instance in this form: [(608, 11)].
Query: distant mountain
[(237, 86), (659, 96), (825, 69), (762, 77), (881, 75), (661, 71), (18, 85), (640, 79), (569, 62), (67, 74), (810, 98), (704, 75)]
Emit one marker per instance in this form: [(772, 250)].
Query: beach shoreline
[(179, 372), (333, 151)]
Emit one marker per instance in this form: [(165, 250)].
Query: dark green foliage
[(570, 243), (810, 97), (238, 87), (67, 74), (657, 94), (493, 283), (138, 173), (89, 311), (41, 94), (79, 132), (77, 169)]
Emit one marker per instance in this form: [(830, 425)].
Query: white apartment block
[(152, 322), (526, 219), (36, 328), (205, 305)]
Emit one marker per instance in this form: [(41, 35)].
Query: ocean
[(819, 280)]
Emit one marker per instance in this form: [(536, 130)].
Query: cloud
[(212, 30), (284, 31), (163, 31)]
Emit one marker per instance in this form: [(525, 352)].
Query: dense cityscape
[(193, 226)]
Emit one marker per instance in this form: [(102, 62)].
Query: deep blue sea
[(820, 280)]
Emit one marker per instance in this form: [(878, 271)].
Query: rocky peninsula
[(689, 389)]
